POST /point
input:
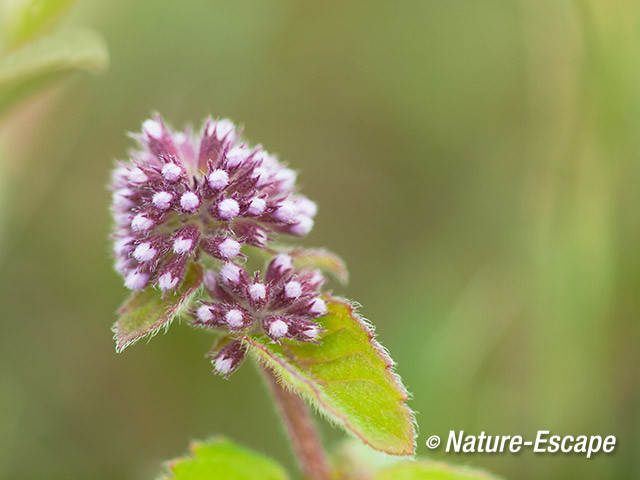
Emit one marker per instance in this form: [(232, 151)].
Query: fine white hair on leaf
[(136, 280), (278, 328), (153, 129), (292, 289), (230, 273), (144, 252), (162, 200), (218, 179), (257, 206), (189, 201), (167, 281), (182, 245), (228, 209), (223, 364), (141, 223), (136, 175), (171, 172), (204, 313), (257, 291), (234, 318), (229, 248)]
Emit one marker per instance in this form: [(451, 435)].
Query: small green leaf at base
[(426, 470), (220, 459), (347, 377), (147, 311)]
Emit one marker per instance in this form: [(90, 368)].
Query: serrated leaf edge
[(313, 397)]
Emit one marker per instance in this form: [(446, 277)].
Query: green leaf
[(47, 59), (147, 311), (426, 470), (322, 260), (348, 377), (220, 459), (23, 19)]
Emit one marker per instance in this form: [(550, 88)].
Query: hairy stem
[(301, 430)]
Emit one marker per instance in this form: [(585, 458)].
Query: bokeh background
[(476, 164)]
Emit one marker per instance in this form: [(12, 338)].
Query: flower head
[(180, 195), (283, 303)]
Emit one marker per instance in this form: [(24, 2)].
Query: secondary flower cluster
[(284, 303), (181, 197)]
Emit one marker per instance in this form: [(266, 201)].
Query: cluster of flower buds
[(284, 304), (181, 195)]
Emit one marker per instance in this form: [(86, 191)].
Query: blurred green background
[(476, 164)]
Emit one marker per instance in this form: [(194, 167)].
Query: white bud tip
[(153, 129), (228, 209), (223, 128), (261, 175), (171, 172), (223, 364), (144, 252), (162, 200), (234, 318), (286, 212), (204, 314), (180, 137), (218, 179), (136, 280), (230, 273), (229, 248), (283, 261), (286, 177), (307, 207), (122, 245), (182, 245), (189, 201), (311, 332), (303, 227), (236, 156), (167, 281), (136, 175), (257, 292), (141, 223), (292, 289), (278, 329), (257, 207), (318, 307)]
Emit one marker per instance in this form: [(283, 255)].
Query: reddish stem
[(301, 430)]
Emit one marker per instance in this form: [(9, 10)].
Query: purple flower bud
[(228, 358), (212, 179), (224, 248)]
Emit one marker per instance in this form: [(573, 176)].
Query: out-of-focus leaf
[(221, 459), (322, 260), (425, 470), (348, 377), (147, 311), (49, 58), (23, 19)]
